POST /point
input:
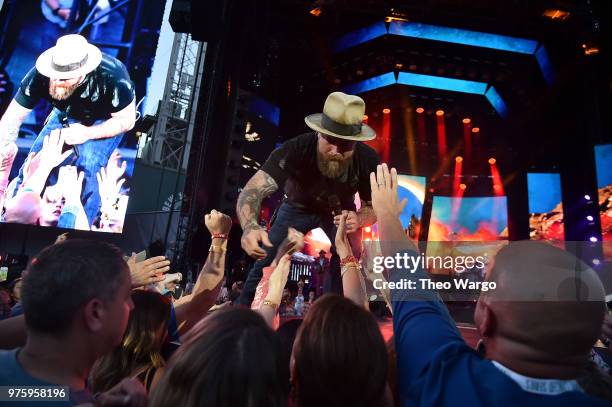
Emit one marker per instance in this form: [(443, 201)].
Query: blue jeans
[(304, 221), (93, 155)]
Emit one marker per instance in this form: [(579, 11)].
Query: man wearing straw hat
[(93, 105), (320, 172)]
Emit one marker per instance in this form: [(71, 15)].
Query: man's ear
[(484, 319), (94, 314)]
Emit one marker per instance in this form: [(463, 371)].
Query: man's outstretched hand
[(250, 240)]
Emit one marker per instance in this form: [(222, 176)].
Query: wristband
[(219, 235), (348, 259)]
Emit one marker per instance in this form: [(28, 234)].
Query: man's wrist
[(251, 226)]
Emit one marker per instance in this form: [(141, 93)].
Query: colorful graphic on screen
[(472, 226), (545, 207), (603, 164), (468, 219), (69, 158)]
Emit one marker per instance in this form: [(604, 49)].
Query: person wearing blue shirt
[(538, 325)]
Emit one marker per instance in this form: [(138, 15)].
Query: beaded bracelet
[(350, 265), (219, 235), (348, 259)]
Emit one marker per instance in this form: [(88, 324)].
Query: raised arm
[(353, 284), (191, 308), (119, 122), (260, 186), (11, 122)]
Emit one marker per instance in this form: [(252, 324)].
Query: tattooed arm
[(260, 186), (11, 122)]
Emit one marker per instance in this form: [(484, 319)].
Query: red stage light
[(365, 117), (439, 112), (368, 229), (420, 110), (492, 161), (386, 110), (458, 158), (462, 186), (467, 120), (476, 130), (496, 186)]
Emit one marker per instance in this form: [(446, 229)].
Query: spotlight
[(439, 112), (587, 197), (316, 11), (462, 187), (386, 110), (367, 229), (590, 218), (467, 120), (496, 186), (593, 239), (420, 110), (556, 14), (596, 262), (476, 130), (458, 159), (492, 161)]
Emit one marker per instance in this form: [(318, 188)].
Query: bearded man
[(93, 103), (320, 172)]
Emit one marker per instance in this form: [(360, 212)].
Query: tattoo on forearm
[(11, 121), (260, 186), (366, 214)]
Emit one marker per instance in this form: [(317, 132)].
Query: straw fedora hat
[(342, 117), (71, 57)]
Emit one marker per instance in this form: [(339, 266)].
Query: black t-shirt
[(293, 166), (105, 90)]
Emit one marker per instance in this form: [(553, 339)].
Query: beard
[(333, 166), (62, 92)]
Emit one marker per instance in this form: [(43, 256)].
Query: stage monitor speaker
[(202, 18)]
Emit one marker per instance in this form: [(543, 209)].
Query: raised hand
[(108, 187), (218, 222), (384, 192), (343, 246), (149, 271), (70, 182), (352, 221), (51, 154), (115, 170)]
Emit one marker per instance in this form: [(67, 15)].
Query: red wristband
[(219, 235), (348, 259)]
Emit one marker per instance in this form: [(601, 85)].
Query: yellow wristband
[(217, 249)]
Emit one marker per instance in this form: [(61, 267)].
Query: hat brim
[(314, 122), (44, 66)]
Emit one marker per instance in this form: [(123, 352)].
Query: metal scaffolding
[(172, 134), (170, 141)]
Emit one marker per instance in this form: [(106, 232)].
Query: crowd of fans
[(104, 327), (34, 201)]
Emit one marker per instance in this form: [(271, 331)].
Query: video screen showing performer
[(66, 178), (320, 172)]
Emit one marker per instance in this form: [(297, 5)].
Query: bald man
[(538, 325)]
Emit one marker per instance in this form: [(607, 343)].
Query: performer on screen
[(93, 105), (320, 172)]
